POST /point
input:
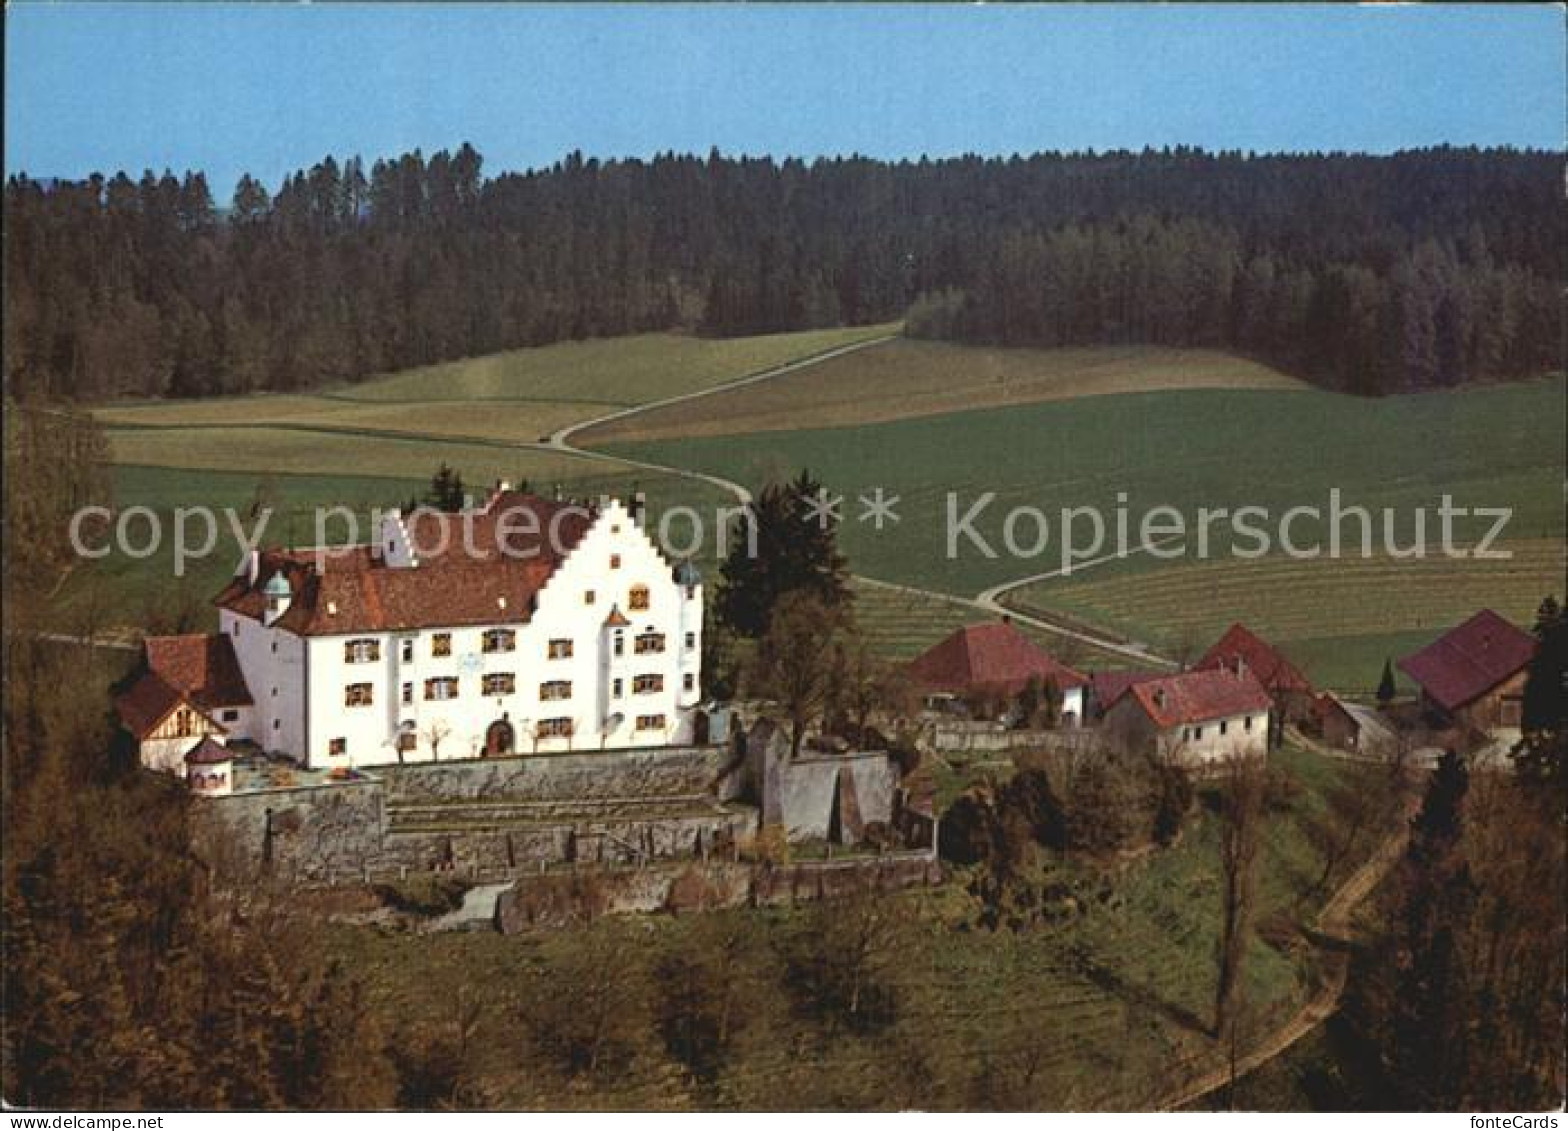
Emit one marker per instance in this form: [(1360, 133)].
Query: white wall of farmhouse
[(1194, 744), (576, 682)]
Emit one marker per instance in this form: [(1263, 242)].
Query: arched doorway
[(500, 738)]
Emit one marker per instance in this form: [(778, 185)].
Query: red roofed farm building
[(187, 689), (1196, 717), (1474, 675), (996, 659), (1241, 649)]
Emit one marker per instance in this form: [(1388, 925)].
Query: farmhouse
[(189, 689), (1473, 675), (1197, 717), (995, 659), (1241, 649), (526, 625)]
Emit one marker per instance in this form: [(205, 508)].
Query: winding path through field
[(1333, 936), (988, 602)]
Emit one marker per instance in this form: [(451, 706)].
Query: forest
[(1370, 274)]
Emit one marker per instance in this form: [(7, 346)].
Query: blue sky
[(272, 88)]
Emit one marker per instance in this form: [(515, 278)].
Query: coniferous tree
[(1386, 689)]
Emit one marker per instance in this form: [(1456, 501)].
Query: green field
[(1494, 446), (906, 378), (1109, 1037), (1338, 619)]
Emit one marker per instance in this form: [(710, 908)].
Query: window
[(647, 684), (1246, 723), (357, 695), (650, 722), (1197, 733), (441, 644), (589, 596), (500, 640), (337, 747), (637, 599), (407, 741), (230, 715), (277, 723), (649, 642), (691, 641), (444, 687), (407, 651), (615, 561), (1224, 726), (274, 647), (555, 689), (366, 651), (616, 688), (560, 650), (499, 683), (688, 682), (408, 693), (620, 643), (554, 728), (184, 722)]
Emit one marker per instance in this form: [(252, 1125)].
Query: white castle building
[(527, 625)]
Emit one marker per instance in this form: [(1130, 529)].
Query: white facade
[(609, 658)]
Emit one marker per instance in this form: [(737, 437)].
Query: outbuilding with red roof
[(1474, 674), (995, 658)]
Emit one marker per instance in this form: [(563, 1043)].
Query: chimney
[(638, 506), (557, 492), (1159, 698), (1241, 664), (252, 566)]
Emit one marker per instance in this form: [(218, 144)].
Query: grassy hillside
[(516, 396), (907, 378), (1106, 1003)]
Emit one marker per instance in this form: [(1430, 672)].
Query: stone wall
[(306, 834), (562, 899), (482, 817), (591, 775)]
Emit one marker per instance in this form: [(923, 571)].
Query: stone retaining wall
[(563, 899)]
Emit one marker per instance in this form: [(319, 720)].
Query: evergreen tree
[(786, 543), (1386, 689)]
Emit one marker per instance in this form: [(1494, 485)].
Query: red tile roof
[(994, 656), (1107, 687), (1273, 670), (490, 574), (200, 666), (1468, 661), (1199, 696), (145, 704), (197, 669)]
